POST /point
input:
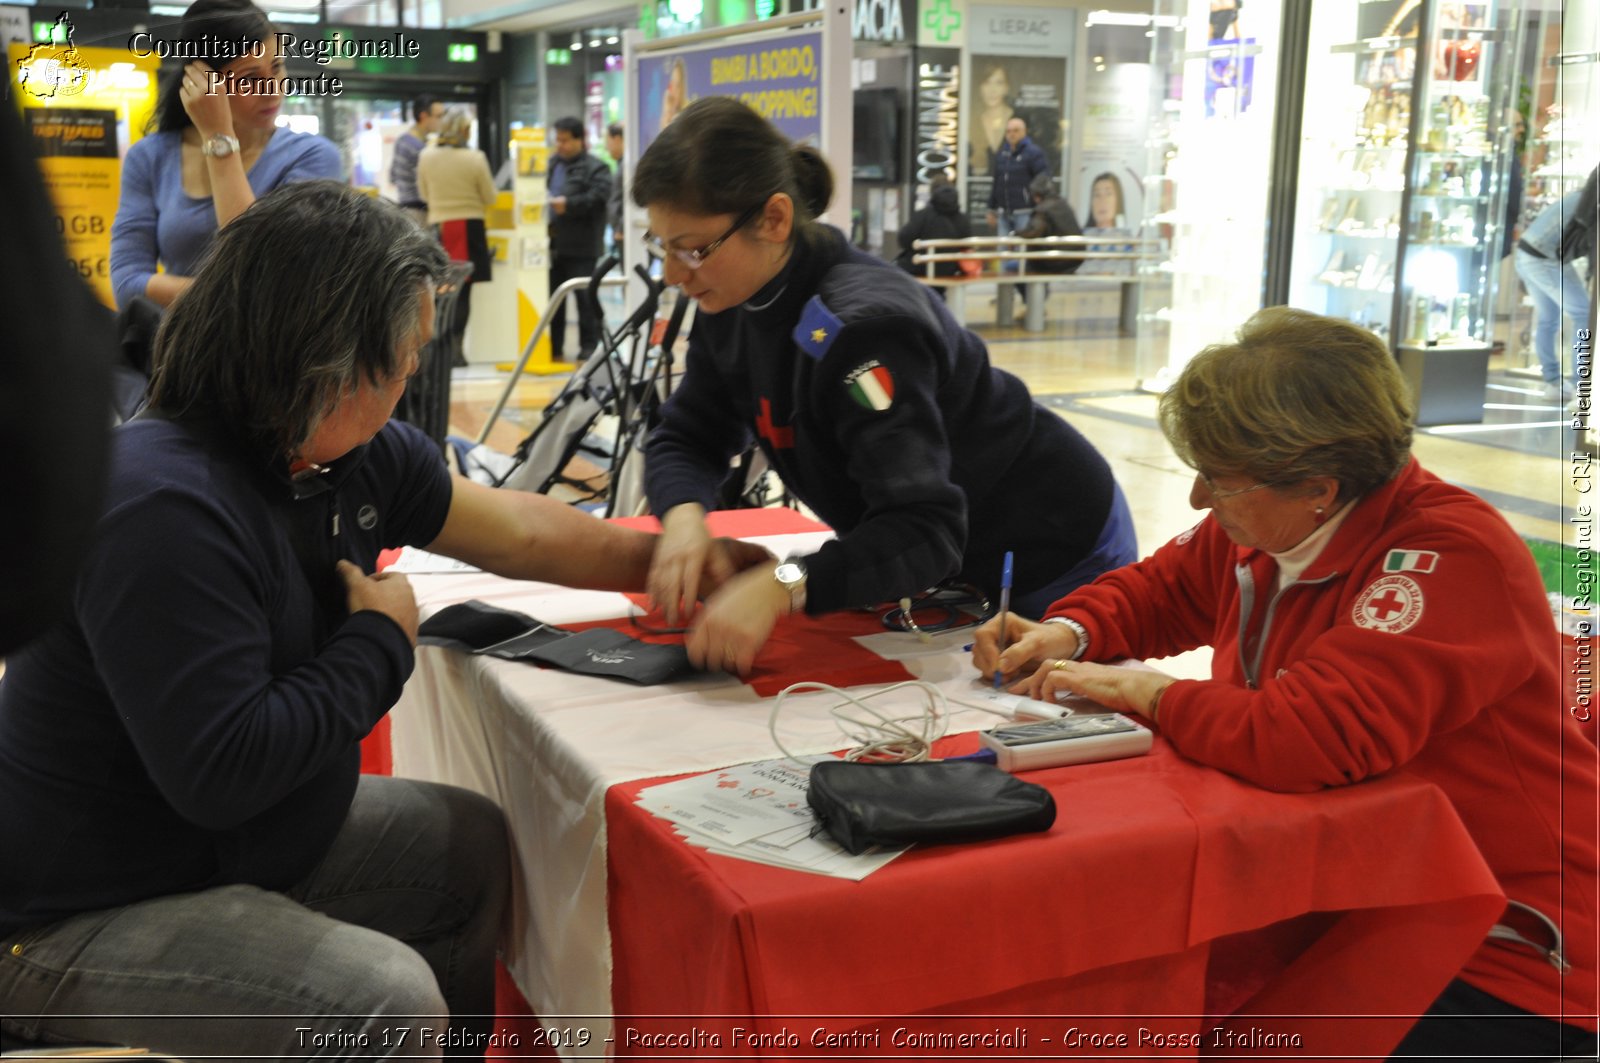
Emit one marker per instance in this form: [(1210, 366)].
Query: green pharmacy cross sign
[(943, 19)]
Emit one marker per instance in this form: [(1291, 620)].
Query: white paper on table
[(818, 854), (413, 560), (735, 804), (903, 645)]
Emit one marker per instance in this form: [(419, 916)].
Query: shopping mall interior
[(1411, 167), (1375, 161)]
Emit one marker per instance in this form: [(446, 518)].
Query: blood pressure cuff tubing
[(863, 805)]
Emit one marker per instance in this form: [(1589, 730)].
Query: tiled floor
[(1520, 459)]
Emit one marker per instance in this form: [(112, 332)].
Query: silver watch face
[(789, 574), (220, 145)]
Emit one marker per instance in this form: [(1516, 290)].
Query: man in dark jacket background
[(941, 219), (580, 188), (1051, 217), (1017, 162)]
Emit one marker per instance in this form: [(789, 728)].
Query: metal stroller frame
[(607, 408)]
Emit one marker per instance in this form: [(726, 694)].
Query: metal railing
[(1026, 249)]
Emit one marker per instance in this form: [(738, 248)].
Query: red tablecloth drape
[(1136, 911)]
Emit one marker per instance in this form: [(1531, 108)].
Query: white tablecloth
[(546, 744)]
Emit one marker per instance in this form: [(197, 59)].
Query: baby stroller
[(588, 446)]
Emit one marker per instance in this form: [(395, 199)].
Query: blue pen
[(1005, 607)]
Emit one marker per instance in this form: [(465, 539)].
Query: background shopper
[(426, 113), (454, 179), (213, 153), (579, 190), (1556, 287)]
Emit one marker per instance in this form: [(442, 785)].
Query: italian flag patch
[(871, 385), (1410, 561)]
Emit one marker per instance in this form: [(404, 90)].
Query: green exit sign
[(462, 53), (45, 33), (558, 57)]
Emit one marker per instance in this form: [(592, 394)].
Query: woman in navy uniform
[(876, 409)]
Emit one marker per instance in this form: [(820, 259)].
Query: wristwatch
[(220, 145), (791, 576)]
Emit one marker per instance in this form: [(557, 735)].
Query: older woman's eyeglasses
[(1217, 495), (696, 257)]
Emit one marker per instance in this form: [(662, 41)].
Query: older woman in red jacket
[(1365, 617)]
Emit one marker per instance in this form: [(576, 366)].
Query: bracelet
[(1078, 630), (1155, 702)]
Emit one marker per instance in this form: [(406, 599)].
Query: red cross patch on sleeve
[(1390, 603)]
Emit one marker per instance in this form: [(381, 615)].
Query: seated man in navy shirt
[(192, 861)]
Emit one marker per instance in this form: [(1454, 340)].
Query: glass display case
[(1455, 209), (1355, 134), (1400, 191)]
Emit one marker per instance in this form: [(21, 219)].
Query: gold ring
[(1059, 663)]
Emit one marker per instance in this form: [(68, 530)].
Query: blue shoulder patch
[(817, 328)]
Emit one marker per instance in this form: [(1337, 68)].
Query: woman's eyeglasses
[(1218, 495), (694, 258)]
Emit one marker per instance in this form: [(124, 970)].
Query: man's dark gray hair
[(308, 292)]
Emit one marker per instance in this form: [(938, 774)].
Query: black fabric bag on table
[(863, 805)]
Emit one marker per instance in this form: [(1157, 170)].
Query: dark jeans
[(562, 269), (1466, 1024), (391, 938)]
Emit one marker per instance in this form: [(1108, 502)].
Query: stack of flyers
[(758, 812)]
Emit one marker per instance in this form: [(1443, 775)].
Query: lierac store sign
[(1017, 30)]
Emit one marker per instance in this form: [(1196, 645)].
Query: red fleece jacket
[(1420, 637)]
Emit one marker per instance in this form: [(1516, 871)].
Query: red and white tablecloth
[(1165, 893)]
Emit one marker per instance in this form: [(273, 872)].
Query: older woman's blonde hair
[(1298, 395), (455, 127)]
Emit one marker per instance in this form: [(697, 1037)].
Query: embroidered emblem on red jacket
[(1390, 603)]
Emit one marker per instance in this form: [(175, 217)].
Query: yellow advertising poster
[(84, 107)]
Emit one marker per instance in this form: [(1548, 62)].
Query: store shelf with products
[(1399, 179), (1355, 136), (1455, 213)]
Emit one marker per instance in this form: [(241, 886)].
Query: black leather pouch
[(863, 805)]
